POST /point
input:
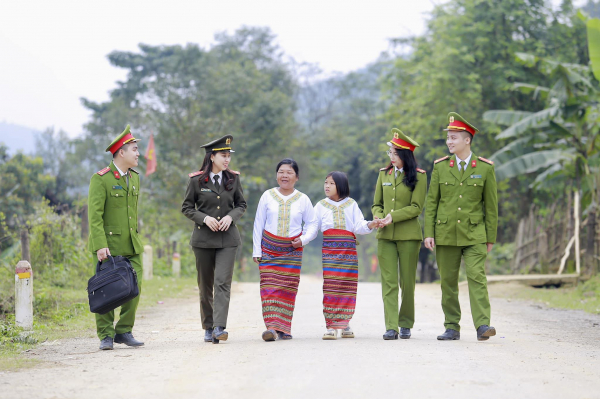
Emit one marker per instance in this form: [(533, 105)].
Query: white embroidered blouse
[(343, 215), (283, 216)]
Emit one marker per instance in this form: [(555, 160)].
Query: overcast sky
[(52, 52)]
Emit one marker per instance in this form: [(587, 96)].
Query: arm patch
[(421, 170), (195, 173), (441, 159)]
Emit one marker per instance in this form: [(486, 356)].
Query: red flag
[(151, 157)]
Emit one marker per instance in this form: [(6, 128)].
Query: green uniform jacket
[(392, 196), (203, 199), (112, 212), (462, 212)]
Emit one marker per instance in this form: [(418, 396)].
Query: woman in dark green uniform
[(399, 198), (214, 200)]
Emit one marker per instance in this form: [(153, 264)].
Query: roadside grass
[(62, 313), (586, 296)]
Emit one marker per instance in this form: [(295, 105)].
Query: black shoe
[(449, 335), (208, 335), (106, 344), (219, 334), (390, 334), (484, 332), (127, 339), (404, 333)]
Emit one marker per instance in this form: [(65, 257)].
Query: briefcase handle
[(114, 265)]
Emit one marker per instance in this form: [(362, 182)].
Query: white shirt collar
[(120, 171), (220, 174), (458, 160), (337, 203), (398, 170)]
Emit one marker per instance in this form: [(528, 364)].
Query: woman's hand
[(385, 221), (225, 223), (212, 223), (297, 242), (429, 243), (257, 260)]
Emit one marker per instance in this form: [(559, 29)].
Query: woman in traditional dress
[(214, 200), (278, 240), (339, 218), (399, 197)]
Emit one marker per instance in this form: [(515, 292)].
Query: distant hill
[(18, 138)]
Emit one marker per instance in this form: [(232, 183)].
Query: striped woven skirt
[(279, 278), (340, 277)]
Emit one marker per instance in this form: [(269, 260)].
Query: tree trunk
[(590, 261), (85, 227), (25, 255)]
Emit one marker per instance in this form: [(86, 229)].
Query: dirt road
[(538, 353)]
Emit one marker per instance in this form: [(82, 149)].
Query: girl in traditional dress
[(278, 238), (339, 218)]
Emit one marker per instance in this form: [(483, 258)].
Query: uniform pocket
[(117, 199), (112, 230), (441, 219), (447, 185)]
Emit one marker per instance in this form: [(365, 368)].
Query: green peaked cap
[(222, 144), (122, 139), (457, 122), (401, 140)]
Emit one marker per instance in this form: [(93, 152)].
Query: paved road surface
[(538, 353)]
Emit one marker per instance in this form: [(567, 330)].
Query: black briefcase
[(114, 283)]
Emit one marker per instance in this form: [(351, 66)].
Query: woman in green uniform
[(214, 200), (399, 198)]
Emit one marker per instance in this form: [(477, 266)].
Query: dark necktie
[(217, 182)]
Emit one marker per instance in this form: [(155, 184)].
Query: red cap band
[(119, 144), (403, 144), (458, 125)]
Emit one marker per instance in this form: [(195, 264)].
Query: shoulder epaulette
[(486, 160), (133, 170), (195, 173), (421, 170), (441, 159), (235, 172), (382, 169), (103, 171)]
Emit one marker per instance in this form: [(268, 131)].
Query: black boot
[(127, 339), (208, 335), (390, 334), (106, 344), (404, 333), (484, 332), (449, 335), (219, 334)]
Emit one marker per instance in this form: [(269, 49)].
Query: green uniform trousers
[(105, 322), (448, 259), (215, 271), (398, 265)]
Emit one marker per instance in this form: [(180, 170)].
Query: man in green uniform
[(112, 213), (461, 219), (398, 201)]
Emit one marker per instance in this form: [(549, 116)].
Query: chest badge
[(386, 184)]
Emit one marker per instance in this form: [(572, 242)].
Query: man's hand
[(489, 246), (225, 223), (257, 260), (102, 254), (430, 243), (212, 223), (297, 242)]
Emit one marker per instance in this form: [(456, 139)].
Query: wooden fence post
[(176, 264), (147, 262), (24, 295)]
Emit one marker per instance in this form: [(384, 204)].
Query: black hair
[(342, 185), (206, 168), (469, 135), (409, 166), (291, 162)]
